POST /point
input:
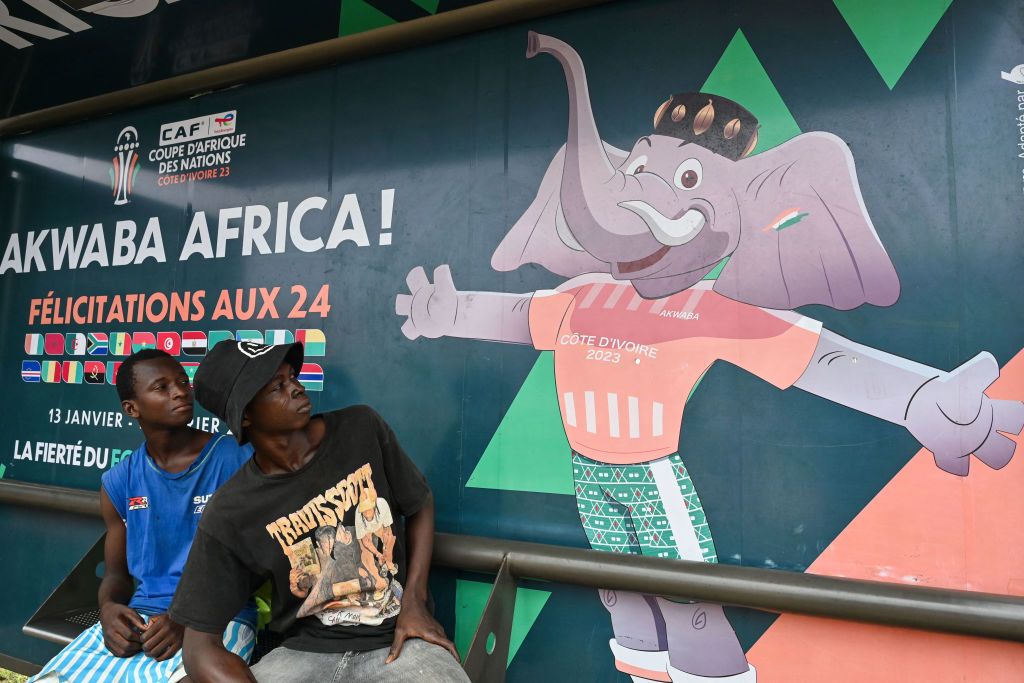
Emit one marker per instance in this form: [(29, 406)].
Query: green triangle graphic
[(713, 275), (892, 32), (358, 16), (470, 599), (740, 77), (529, 451)]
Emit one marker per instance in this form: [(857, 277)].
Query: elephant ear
[(805, 236), (534, 237)]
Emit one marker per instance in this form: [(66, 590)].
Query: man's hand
[(161, 638), (415, 622), (121, 629)]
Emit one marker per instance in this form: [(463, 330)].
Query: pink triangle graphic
[(926, 528)]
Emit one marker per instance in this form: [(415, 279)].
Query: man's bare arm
[(121, 624), (415, 621), (208, 661)]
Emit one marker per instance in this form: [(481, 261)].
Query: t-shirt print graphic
[(346, 574)]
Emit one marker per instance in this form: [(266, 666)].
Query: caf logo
[(125, 165)]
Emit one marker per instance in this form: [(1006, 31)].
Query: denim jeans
[(420, 662)]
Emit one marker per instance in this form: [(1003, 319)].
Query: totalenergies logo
[(126, 165), (224, 122)]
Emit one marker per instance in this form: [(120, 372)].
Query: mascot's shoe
[(702, 645), (677, 676), (640, 665)]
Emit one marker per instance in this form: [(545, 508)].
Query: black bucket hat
[(234, 371)]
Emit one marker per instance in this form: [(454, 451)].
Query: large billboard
[(735, 284)]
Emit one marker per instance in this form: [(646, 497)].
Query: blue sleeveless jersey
[(161, 512)]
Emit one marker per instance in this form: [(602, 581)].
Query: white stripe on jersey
[(694, 299), (615, 296), (613, 415), (634, 417), (588, 400), (588, 300), (570, 409)]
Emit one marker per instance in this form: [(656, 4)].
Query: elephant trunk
[(587, 166)]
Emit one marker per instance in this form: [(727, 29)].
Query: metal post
[(487, 658)]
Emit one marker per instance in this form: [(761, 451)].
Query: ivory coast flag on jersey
[(279, 337), (120, 343), (314, 342), (72, 372), (34, 344), (51, 371)]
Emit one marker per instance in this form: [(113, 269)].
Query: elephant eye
[(688, 175), (638, 165)]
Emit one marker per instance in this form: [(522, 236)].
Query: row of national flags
[(189, 343), (99, 372)]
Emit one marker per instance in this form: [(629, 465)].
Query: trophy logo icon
[(126, 165)]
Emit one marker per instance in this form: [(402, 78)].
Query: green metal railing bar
[(951, 611)]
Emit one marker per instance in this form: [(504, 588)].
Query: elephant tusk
[(671, 232), (564, 234)]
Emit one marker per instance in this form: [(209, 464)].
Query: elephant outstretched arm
[(439, 310), (947, 412)]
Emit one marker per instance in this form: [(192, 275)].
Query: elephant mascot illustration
[(636, 325)]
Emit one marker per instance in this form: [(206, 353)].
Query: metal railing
[(950, 611)]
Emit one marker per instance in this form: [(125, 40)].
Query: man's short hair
[(126, 373)]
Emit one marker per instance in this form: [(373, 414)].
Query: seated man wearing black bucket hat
[(313, 512)]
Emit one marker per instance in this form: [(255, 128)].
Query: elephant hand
[(430, 308), (952, 417)]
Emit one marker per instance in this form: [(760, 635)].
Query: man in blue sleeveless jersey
[(151, 504)]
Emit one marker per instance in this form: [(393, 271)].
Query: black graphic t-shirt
[(324, 535)]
